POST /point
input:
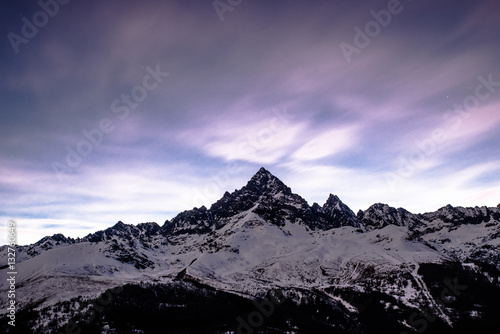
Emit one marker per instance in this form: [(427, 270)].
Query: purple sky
[(137, 110)]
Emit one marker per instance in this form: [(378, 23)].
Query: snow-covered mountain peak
[(124, 231), (380, 215), (195, 221), (265, 183), (56, 238), (460, 215), (262, 237), (339, 213)]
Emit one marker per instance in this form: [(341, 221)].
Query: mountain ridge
[(333, 213), (264, 237)]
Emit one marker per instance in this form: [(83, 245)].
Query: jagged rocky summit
[(381, 270)]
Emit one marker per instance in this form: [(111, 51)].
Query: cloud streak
[(344, 127)]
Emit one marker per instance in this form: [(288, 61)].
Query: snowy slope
[(261, 237)]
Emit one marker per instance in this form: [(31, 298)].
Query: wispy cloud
[(326, 144), (348, 125)]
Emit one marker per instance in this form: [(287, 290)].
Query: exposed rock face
[(365, 273)]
